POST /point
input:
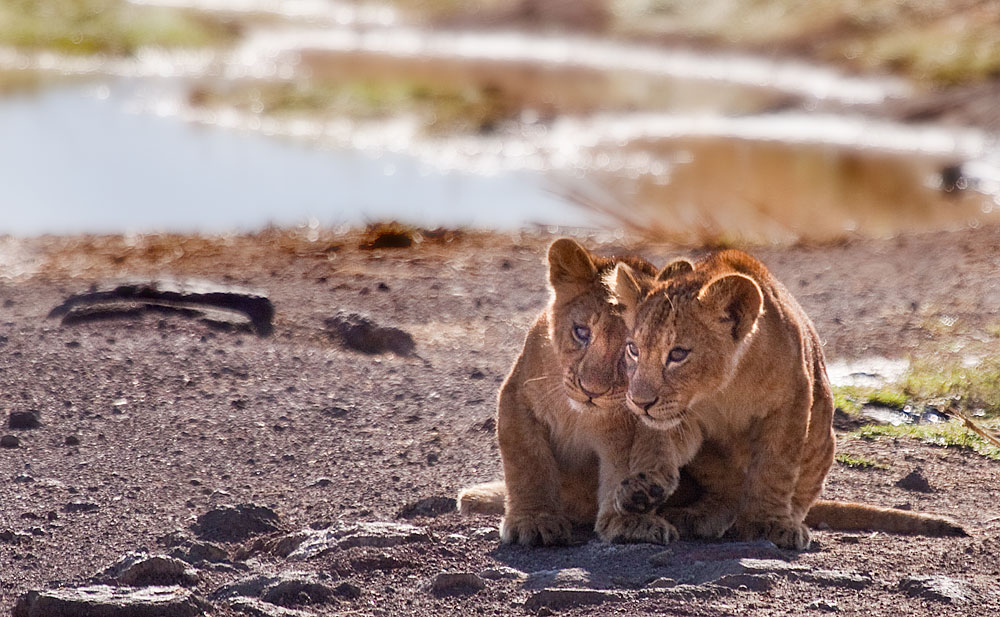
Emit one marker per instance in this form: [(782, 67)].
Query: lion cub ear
[(570, 263), (737, 299), (624, 286), (674, 268)]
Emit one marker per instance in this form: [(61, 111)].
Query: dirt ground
[(150, 422)]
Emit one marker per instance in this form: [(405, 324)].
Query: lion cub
[(724, 361), (567, 440)]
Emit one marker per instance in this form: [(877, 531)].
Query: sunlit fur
[(749, 408), (566, 437)]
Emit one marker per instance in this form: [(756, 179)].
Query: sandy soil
[(156, 420)]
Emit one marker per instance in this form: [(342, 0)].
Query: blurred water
[(74, 159)]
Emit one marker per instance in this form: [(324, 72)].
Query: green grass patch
[(967, 387), (441, 108), (105, 26), (951, 434), (851, 399), (859, 462)]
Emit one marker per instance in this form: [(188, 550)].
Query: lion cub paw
[(632, 527), (534, 528), (785, 533), (700, 522), (643, 492)]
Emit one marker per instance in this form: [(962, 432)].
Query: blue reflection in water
[(73, 163)]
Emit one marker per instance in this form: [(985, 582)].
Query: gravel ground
[(151, 420)]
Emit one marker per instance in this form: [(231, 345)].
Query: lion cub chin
[(567, 440), (725, 363)]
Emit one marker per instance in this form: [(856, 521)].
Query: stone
[(211, 302), (298, 591), (360, 333), (939, 588), (428, 506), (456, 584), (288, 589), (76, 507), (105, 601), (236, 523), (198, 552), (835, 578), (915, 481), (10, 441), (72, 440), (560, 599), (141, 569), (24, 420), (747, 582), (566, 577), (488, 534), (821, 604), (348, 535), (259, 608), (503, 573)]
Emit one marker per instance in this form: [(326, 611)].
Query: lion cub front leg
[(633, 483), (533, 512)]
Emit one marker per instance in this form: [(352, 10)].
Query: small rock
[(915, 481), (488, 534), (662, 583), (559, 599), (295, 592), (259, 608), (72, 440), (23, 478), (144, 570), (456, 584), (321, 483), (312, 543), (14, 537), (939, 588), (24, 420), (9, 441), (429, 506), (105, 601), (347, 591), (747, 582), (835, 578), (503, 572), (823, 605), (362, 334), (566, 577), (204, 551), (80, 506), (236, 523)]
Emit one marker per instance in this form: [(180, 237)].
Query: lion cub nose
[(591, 390), (643, 405)]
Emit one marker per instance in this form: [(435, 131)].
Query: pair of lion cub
[(632, 375)]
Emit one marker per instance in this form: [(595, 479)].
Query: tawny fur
[(566, 438), (725, 361)]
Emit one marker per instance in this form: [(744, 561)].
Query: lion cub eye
[(678, 354), (632, 350), (581, 334)]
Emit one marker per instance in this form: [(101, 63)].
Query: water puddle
[(873, 372), (684, 144), (75, 159)]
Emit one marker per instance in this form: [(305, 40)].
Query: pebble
[(9, 441), (236, 523), (915, 481), (456, 584), (24, 420), (940, 588)]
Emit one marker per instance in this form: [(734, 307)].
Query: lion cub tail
[(486, 498), (847, 516)]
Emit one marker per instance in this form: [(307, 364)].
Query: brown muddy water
[(670, 143)]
